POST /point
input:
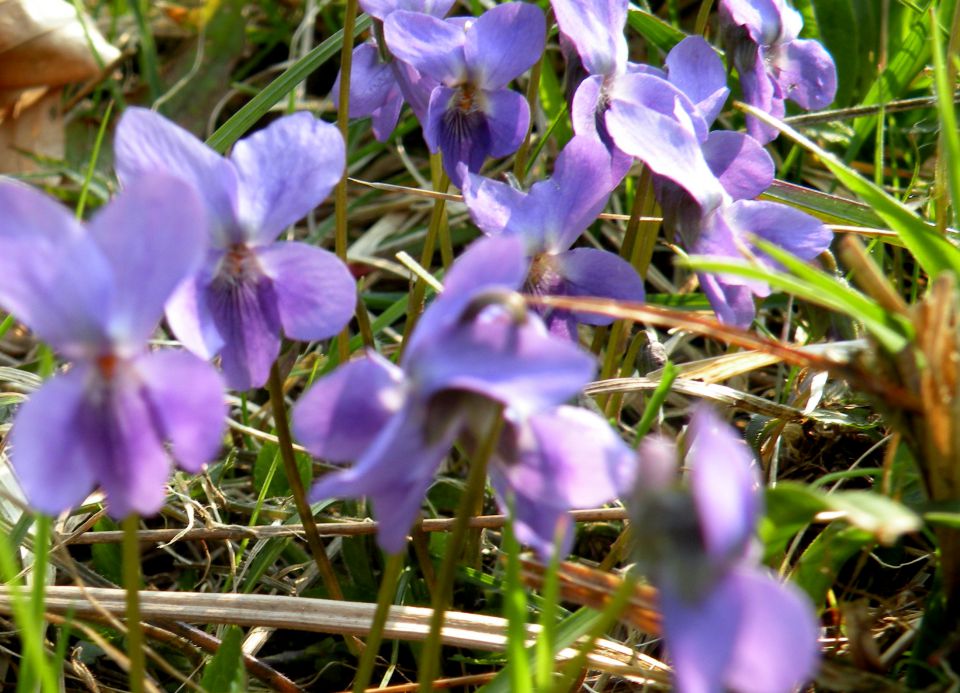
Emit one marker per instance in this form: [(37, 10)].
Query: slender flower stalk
[(533, 88), (476, 483), (343, 120), (275, 386), (131, 583), (388, 587)]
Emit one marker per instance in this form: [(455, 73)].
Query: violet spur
[(96, 295), (250, 287)]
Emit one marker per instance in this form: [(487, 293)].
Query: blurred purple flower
[(471, 114), (378, 86), (250, 287), (727, 622), (96, 295), (470, 353), (775, 65), (549, 219)]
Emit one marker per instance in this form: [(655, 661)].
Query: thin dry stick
[(340, 529)]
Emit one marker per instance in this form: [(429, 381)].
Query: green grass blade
[(658, 32), (515, 611), (948, 114), (244, 119), (934, 252)]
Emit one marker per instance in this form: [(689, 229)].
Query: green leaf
[(826, 207), (267, 460), (244, 119), (948, 115), (658, 32), (225, 672), (934, 252), (826, 555)]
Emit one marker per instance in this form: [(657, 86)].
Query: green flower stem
[(703, 17), (609, 616), (327, 574), (533, 88), (343, 120), (476, 484), (415, 305), (388, 588), (131, 583)]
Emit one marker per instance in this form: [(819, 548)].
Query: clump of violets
[(250, 287), (379, 83), (773, 63), (549, 219), (471, 114), (474, 353), (96, 295), (728, 623)]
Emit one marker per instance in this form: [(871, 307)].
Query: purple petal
[(124, 448), (371, 82), (385, 118), (153, 235), (186, 396), (806, 74), (316, 294), (245, 315), (462, 136), (381, 8), (587, 108), (742, 165), (503, 43), (701, 636), (759, 90), (339, 417), (488, 264), (415, 87), (675, 152), (793, 230), (395, 473), (733, 303), (52, 276), (147, 142), (772, 655), (725, 485), (499, 208), (593, 272), (285, 170), (508, 117), (657, 464), (432, 46), (596, 29), (695, 68), (190, 319), (519, 365), (52, 469), (762, 19)]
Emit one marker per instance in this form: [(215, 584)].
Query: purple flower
[(727, 623), (549, 219), (774, 64), (250, 287), (726, 228), (471, 114), (96, 294), (471, 353), (622, 103), (378, 87)]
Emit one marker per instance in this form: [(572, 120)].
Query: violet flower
[(549, 218), (727, 227), (774, 65), (378, 87), (471, 115), (471, 354), (728, 623), (250, 287), (96, 295)]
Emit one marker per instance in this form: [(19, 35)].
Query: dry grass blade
[(460, 629), (714, 329)]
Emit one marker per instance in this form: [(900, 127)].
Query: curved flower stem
[(327, 574), (388, 587), (131, 583), (703, 17), (343, 120), (476, 484), (533, 88), (415, 304)]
